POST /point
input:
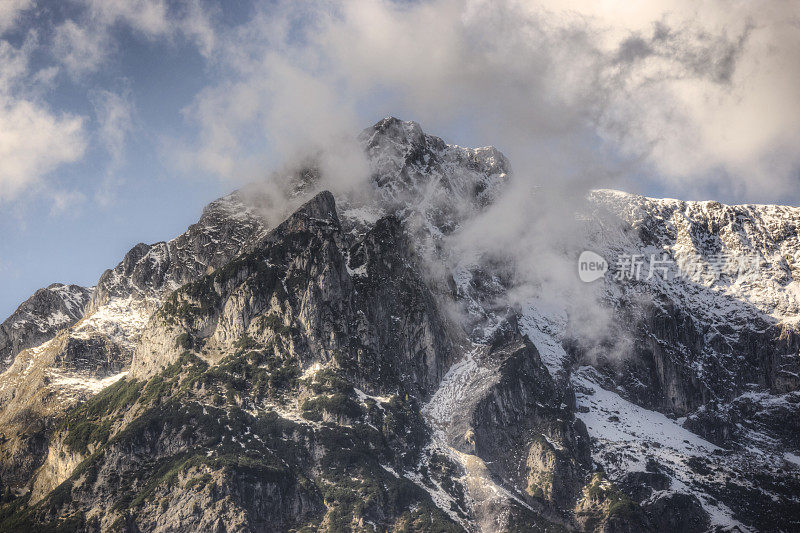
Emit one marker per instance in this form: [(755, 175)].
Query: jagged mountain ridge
[(328, 332)]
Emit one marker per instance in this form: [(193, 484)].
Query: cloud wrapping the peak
[(699, 98), (694, 99), (689, 98)]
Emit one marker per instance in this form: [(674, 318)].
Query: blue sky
[(45, 241), (121, 119)]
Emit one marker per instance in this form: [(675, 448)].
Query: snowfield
[(625, 435)]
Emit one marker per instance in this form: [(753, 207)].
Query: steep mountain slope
[(335, 372), (727, 273), (80, 356), (282, 323)]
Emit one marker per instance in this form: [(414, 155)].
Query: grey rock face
[(716, 347), (676, 512), (723, 328), (410, 339), (290, 301), (220, 308), (92, 333)]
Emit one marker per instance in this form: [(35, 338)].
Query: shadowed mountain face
[(331, 373)]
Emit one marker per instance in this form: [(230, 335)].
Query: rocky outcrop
[(294, 278), (675, 511), (602, 507), (77, 341), (552, 474), (525, 428), (680, 362), (605, 508), (410, 338)]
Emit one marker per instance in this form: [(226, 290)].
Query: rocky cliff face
[(722, 318), (331, 372)]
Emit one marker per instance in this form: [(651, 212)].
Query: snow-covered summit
[(40, 317)]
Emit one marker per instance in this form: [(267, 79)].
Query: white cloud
[(79, 48), (196, 24), (34, 142), (9, 12), (156, 19), (708, 92), (84, 46), (14, 63), (698, 96), (698, 99), (148, 17), (64, 201), (272, 105), (697, 89), (115, 118)]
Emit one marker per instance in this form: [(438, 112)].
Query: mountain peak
[(290, 367), (398, 133), (40, 317), (408, 132)]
